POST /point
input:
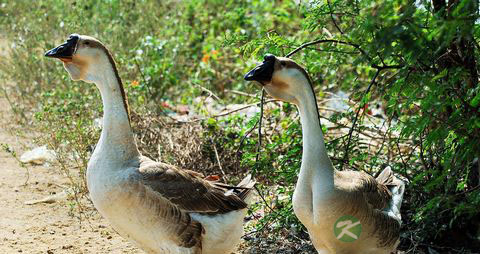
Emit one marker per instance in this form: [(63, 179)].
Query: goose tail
[(243, 190), (396, 186), (247, 185)]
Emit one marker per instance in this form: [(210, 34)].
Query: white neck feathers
[(117, 140), (316, 165)]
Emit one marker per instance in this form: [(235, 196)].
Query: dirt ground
[(44, 228)]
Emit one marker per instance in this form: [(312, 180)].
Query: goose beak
[(66, 50), (263, 72)]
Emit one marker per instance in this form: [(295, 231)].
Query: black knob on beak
[(73, 37), (269, 58)]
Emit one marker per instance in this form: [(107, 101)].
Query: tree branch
[(363, 52), (350, 133), (333, 19), (328, 41), (259, 145)]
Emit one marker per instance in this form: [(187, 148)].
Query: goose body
[(345, 212), (161, 208)]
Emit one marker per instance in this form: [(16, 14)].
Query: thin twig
[(141, 72), (383, 140), (265, 225), (328, 41), (245, 107), (218, 159), (378, 67), (245, 137), (10, 150), (263, 198), (401, 154), (143, 78), (240, 93), (384, 67), (259, 145), (226, 113), (345, 157), (325, 50), (333, 19), (208, 91), (12, 106)]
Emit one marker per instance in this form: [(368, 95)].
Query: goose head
[(282, 78), (83, 57)]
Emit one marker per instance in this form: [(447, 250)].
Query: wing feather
[(188, 190), (375, 194)]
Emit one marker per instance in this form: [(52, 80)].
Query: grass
[(176, 53)]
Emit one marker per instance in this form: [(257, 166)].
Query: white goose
[(161, 208), (346, 212)]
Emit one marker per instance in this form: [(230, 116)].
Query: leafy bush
[(418, 58)]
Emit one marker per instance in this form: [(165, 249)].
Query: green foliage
[(277, 166), (428, 78), (423, 55)]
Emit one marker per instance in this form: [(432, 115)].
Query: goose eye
[(283, 63), (87, 43)]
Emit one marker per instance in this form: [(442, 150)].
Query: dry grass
[(185, 145)]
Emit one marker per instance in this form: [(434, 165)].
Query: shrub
[(418, 58)]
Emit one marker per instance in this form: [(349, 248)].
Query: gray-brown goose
[(346, 212), (159, 207)]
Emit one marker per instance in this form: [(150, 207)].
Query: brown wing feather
[(188, 190), (376, 194)]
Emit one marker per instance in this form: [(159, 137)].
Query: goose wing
[(189, 192), (383, 193), (375, 193)]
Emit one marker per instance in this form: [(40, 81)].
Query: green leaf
[(440, 75), (475, 101)]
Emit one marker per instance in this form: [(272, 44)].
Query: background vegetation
[(417, 59)]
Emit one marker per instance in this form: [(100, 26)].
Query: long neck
[(316, 166), (116, 140)]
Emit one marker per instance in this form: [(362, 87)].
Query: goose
[(344, 211), (159, 207)]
